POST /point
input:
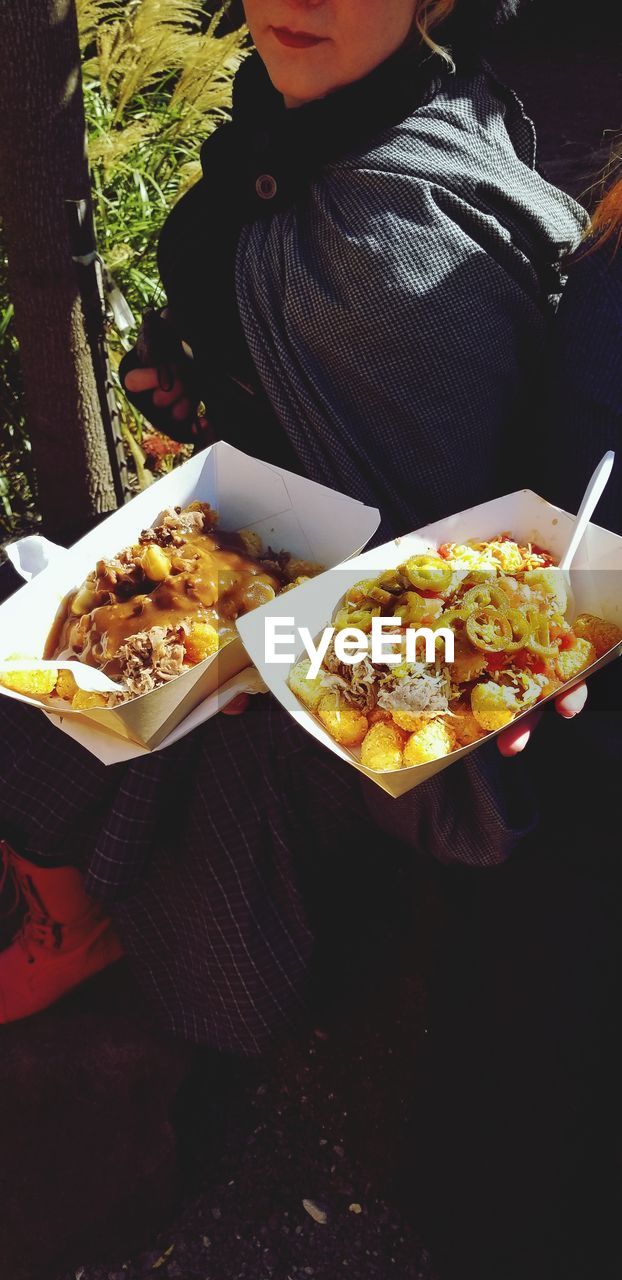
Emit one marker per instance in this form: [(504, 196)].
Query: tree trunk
[(43, 165)]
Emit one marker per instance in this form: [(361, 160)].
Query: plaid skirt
[(246, 864), (221, 859)]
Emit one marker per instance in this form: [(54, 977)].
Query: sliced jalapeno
[(360, 591), (489, 629), (483, 595), (428, 572), (412, 607), (360, 618), (521, 627), (394, 580), (449, 618), (379, 595), (539, 639)]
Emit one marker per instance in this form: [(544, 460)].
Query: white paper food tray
[(595, 579), (288, 511)]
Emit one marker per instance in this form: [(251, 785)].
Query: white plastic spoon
[(590, 499)]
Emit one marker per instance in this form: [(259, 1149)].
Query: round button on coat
[(266, 186)]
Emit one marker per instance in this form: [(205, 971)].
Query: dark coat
[(385, 309)]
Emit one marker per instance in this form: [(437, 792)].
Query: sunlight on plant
[(157, 80), (156, 84)]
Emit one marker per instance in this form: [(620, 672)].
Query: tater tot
[(465, 726), (433, 740), (379, 716), (382, 747), (407, 720), (493, 705), (345, 723), (603, 635), (552, 584), (253, 544), (85, 701), (553, 683), (569, 662), (201, 642), (295, 568), (296, 583), (33, 684), (308, 691), (66, 685)]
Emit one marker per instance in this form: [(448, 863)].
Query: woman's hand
[(167, 394), (237, 705), (515, 738)]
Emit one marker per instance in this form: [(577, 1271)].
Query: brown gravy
[(212, 579)]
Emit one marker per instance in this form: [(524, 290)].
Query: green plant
[(155, 85), (157, 80)]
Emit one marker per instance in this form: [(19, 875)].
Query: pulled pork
[(356, 682), (151, 658), (421, 692), (174, 526)]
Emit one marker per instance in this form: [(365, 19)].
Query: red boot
[(64, 938)]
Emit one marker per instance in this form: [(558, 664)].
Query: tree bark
[(43, 164)]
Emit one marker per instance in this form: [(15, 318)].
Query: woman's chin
[(298, 84)]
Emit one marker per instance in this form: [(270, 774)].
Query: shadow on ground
[(284, 1169)]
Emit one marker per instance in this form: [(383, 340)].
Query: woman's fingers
[(570, 704), (165, 398), (182, 409), (237, 705), (142, 379), (151, 380), (515, 739)]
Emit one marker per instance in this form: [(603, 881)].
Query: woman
[(365, 276), (374, 307)]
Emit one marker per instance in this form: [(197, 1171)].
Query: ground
[(290, 1160), (321, 1120)]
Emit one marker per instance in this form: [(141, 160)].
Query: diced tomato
[(497, 661), (445, 551), (567, 640), (527, 661)]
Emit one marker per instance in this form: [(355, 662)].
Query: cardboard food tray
[(288, 511), (595, 581)]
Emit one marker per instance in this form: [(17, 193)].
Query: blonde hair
[(428, 14)]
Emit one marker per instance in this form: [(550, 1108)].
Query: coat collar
[(270, 154), (330, 127)]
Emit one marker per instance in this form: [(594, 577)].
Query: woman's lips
[(296, 39)]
